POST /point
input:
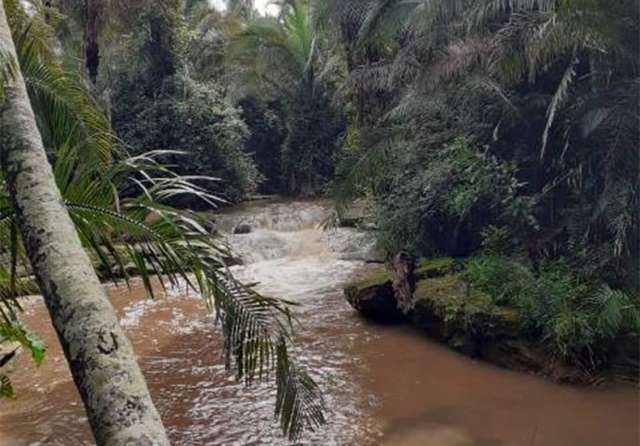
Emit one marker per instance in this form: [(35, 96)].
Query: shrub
[(496, 240), (576, 318), (505, 280), (438, 200), (580, 319), (192, 117)]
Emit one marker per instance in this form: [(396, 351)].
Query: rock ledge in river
[(467, 320)]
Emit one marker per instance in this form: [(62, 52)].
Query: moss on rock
[(436, 267), (446, 306), (372, 279)]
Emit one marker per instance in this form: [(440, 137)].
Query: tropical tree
[(282, 55), (279, 51), (551, 86), (115, 210)]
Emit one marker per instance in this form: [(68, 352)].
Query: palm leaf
[(557, 100)]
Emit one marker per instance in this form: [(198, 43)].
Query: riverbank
[(447, 308)]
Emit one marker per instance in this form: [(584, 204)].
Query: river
[(383, 384)]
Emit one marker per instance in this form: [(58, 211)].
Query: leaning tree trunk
[(100, 356)]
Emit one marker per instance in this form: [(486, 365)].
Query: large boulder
[(356, 215)]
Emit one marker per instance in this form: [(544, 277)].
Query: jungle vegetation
[(507, 130), (503, 133)]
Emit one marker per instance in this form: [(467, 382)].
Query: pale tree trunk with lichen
[(100, 356)]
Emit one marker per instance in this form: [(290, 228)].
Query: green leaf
[(17, 333)]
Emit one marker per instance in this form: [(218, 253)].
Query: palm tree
[(116, 205), (280, 57), (277, 52), (555, 80), (100, 357)]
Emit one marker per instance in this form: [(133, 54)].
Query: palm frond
[(557, 100), (66, 113), (276, 52), (614, 311), (298, 404), (119, 206)]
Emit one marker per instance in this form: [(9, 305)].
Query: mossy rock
[(466, 319), (371, 279), (434, 267), (373, 297), (448, 309)]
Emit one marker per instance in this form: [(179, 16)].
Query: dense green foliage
[(436, 202), (545, 94), (576, 316), (282, 58), (266, 121), (193, 118), (172, 99)]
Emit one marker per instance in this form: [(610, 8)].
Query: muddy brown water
[(383, 385)]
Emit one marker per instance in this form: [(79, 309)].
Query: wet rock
[(210, 225), (355, 215), (446, 306), (373, 297), (243, 228), (232, 261)]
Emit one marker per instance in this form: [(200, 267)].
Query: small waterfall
[(262, 232)]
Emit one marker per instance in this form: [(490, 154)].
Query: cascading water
[(383, 385)]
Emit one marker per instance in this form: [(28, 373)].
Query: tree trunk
[(404, 281), (94, 11), (100, 356)]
